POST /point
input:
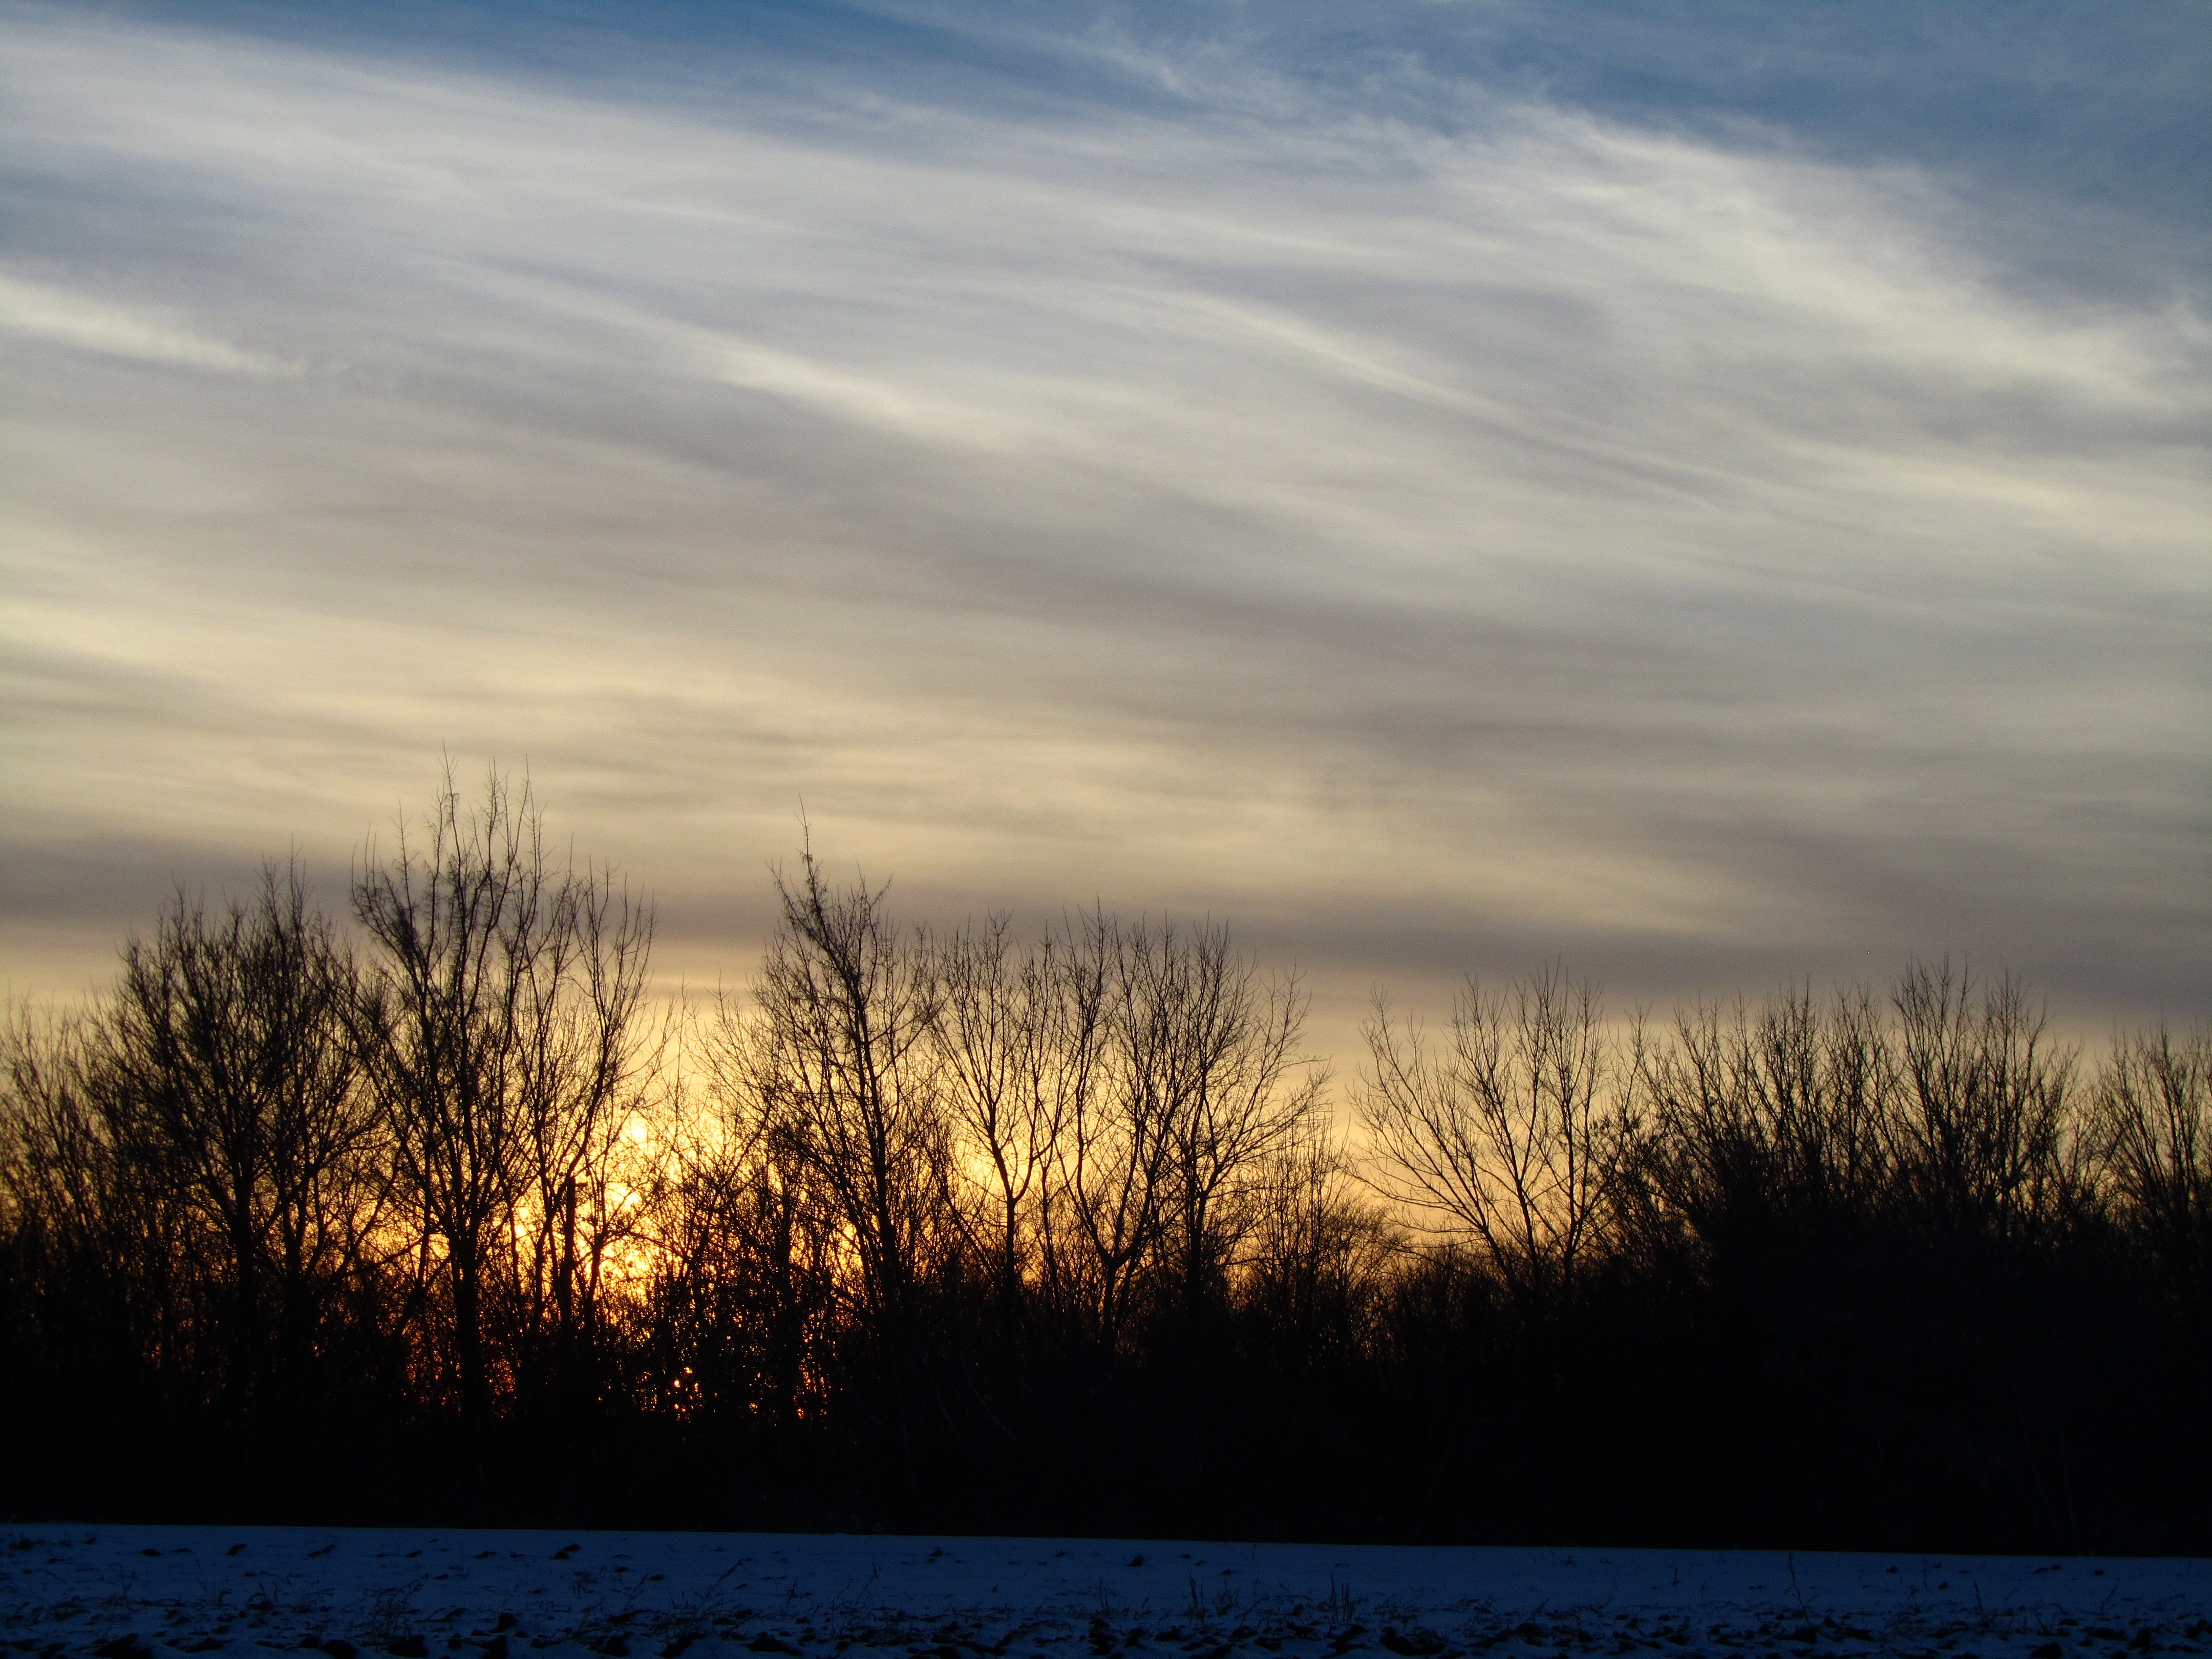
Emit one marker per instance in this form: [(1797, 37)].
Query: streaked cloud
[(60, 316), (1437, 524)]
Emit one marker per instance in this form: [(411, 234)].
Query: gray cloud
[(1435, 547)]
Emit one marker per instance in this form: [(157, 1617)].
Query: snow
[(119, 1592)]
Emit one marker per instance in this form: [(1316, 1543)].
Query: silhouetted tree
[(1002, 1029), (500, 1024), (1983, 1103), (2154, 1124), (974, 1231), (235, 1085), (836, 1072), (1512, 1138)]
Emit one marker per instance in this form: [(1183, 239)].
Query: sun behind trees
[(436, 1219), (498, 1024)]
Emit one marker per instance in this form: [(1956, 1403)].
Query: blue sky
[(1716, 493)]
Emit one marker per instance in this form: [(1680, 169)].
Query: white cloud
[(1551, 530), (40, 311)]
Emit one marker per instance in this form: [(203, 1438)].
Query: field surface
[(126, 1592)]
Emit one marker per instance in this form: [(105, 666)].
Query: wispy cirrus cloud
[(1435, 541), (61, 316)]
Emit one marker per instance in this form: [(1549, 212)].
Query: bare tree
[(226, 1050), (1513, 1137), (2153, 1113), (1238, 1047), (1320, 1246), (500, 1019), (1785, 1111), (746, 1257), (590, 1060), (838, 1072), (1983, 1103), (109, 1233), (189, 1173), (998, 1019), (1116, 1150), (1181, 1082)]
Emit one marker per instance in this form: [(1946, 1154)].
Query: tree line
[(439, 1217)]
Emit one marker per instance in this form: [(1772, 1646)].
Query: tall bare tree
[(1783, 1111), (1185, 1083), (1116, 1152), (1002, 1035), (104, 1229), (229, 1071), (839, 1073), (1512, 1136), (501, 1021), (1985, 1094), (2154, 1108)]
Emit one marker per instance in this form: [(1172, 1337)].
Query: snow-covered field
[(118, 1592)]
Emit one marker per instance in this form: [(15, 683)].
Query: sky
[(1714, 494)]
